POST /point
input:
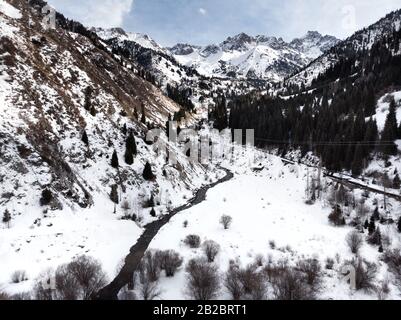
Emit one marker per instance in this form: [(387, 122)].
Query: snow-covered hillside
[(271, 220), (358, 42), (243, 56), (56, 87)]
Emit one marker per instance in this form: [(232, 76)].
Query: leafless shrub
[(126, 294), (253, 283), (291, 284), (67, 285), (4, 296), (193, 241), (393, 260), (330, 263), (148, 289), (202, 280), (354, 241), (170, 261), (89, 274), (233, 283), (312, 270), (77, 280), (151, 266), (383, 290), (226, 221), (365, 273), (23, 296), (211, 250), (42, 289), (19, 276), (272, 244), (259, 260)]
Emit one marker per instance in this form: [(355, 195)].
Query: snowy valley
[(92, 177)]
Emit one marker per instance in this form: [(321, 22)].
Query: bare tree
[(312, 270), (151, 265), (89, 274), (226, 221), (148, 289), (365, 273), (253, 283), (393, 260), (170, 261), (202, 280), (19, 276), (211, 250), (193, 241), (354, 241), (233, 283), (291, 285)]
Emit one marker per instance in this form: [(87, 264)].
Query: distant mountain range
[(261, 57), (239, 57)]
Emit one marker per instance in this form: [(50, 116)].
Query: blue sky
[(211, 21)]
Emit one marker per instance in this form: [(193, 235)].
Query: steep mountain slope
[(260, 57), (359, 43), (56, 88)]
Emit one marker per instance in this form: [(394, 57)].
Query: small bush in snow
[(336, 216), (393, 260), (253, 283), (46, 198), (203, 281), (272, 244), (19, 276), (193, 241), (226, 221), (185, 224), (383, 290), (148, 289), (312, 271), (4, 296), (365, 273), (126, 295), (211, 250), (170, 261), (354, 241), (329, 263), (151, 266), (233, 283)]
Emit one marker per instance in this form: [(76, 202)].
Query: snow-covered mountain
[(358, 43), (260, 57), (67, 104), (139, 38)]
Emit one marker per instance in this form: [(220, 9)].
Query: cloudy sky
[(211, 21)]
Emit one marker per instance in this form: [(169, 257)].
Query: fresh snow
[(9, 10)]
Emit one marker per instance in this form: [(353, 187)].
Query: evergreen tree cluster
[(335, 120), (181, 96)]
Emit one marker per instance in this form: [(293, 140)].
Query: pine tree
[(376, 238), (390, 131), (7, 218), (399, 225), (396, 182), (153, 212), (147, 172), (376, 214), (85, 138), (372, 227), (366, 225), (143, 117), (114, 160), (130, 149), (114, 194)]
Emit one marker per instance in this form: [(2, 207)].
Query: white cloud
[(202, 11), (99, 13)]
